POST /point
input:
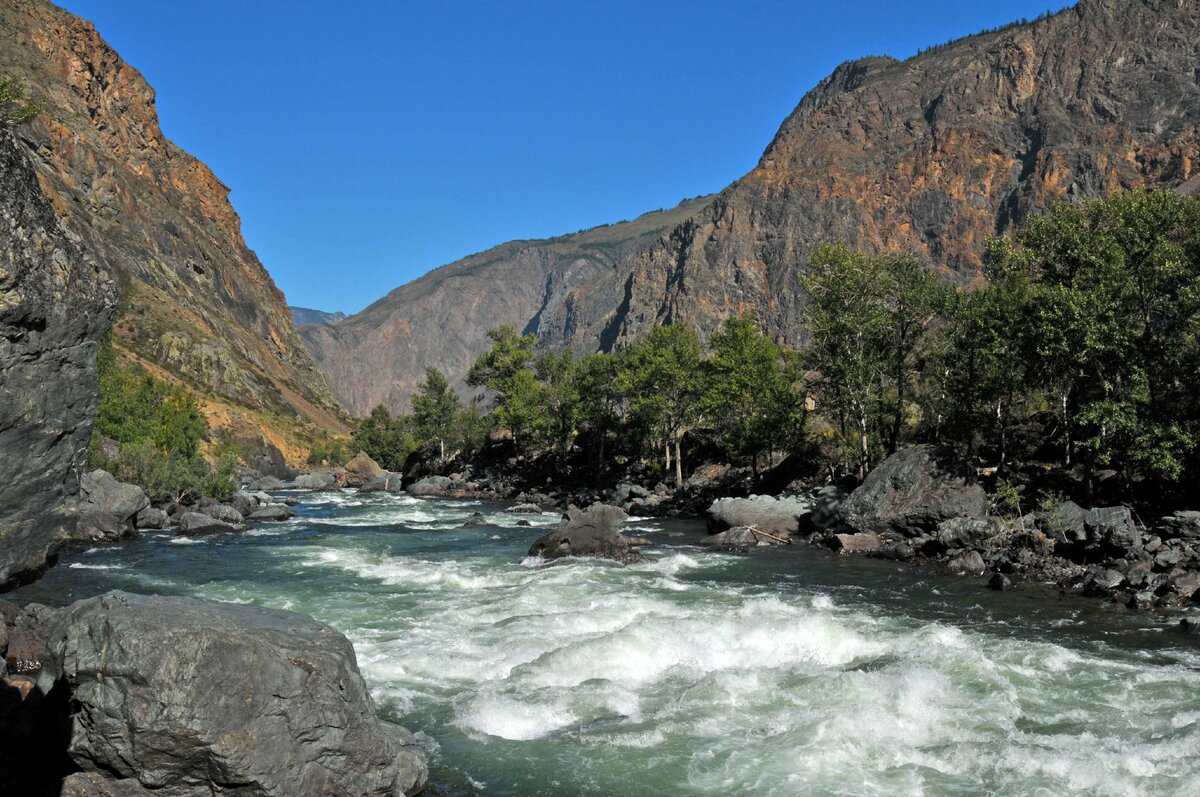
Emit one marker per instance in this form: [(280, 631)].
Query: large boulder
[(195, 523), (1182, 525), (272, 512), (151, 518), (739, 537), (1112, 529), (966, 532), (225, 513), (93, 784), (429, 486), (595, 531), (911, 492), (191, 697), (317, 480), (387, 483), (778, 516), (361, 470), (100, 490), (92, 525)]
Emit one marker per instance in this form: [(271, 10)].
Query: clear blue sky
[(369, 142)]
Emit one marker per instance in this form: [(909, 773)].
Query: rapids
[(793, 672)]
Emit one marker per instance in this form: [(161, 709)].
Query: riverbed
[(788, 672)]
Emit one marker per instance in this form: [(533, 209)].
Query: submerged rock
[(595, 532), (911, 492), (194, 698)]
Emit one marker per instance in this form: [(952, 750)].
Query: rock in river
[(595, 531), (193, 697), (778, 516)]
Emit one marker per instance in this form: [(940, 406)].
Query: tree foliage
[(16, 107)]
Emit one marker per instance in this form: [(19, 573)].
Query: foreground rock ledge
[(191, 697)]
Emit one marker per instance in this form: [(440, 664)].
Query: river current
[(794, 672)]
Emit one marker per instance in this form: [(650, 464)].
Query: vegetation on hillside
[(16, 107), (158, 429), (1080, 354)]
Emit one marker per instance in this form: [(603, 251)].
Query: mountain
[(303, 315), (196, 305), (379, 356), (934, 154)]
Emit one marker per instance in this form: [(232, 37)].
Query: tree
[(599, 399), (385, 439), (751, 401), (662, 381), (558, 400), (504, 370), (435, 410), (15, 106)]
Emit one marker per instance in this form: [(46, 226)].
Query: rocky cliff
[(934, 155), (196, 304), (56, 302), (379, 356)]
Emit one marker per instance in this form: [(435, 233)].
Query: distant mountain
[(934, 154), (379, 356), (196, 304), (303, 315)]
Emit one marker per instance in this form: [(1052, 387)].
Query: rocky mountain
[(56, 302), (303, 315), (195, 303), (934, 154), (379, 356)]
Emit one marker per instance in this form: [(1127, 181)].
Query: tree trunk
[(667, 453), (442, 448), (864, 451), (678, 465)]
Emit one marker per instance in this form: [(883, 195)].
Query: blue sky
[(368, 142)]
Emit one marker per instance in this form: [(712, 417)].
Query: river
[(791, 672)]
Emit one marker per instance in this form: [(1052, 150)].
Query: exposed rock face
[(194, 698), (379, 356), (303, 315), (196, 300), (934, 155), (594, 532), (56, 302), (911, 493)]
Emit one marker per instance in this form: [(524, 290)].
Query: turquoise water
[(790, 673)]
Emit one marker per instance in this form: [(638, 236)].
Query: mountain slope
[(933, 155), (379, 356), (304, 315), (196, 304)]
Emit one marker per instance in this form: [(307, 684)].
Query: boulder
[(151, 518), (245, 503), (1112, 528), (243, 700), (525, 509), (911, 492), (271, 512), (98, 490), (1181, 525), (1186, 584), (429, 486), (26, 651), (860, 542), (966, 532), (361, 470), (826, 509), (192, 523), (999, 582), (317, 480), (387, 483), (778, 516), (1064, 524), (969, 563), (267, 483), (625, 492), (94, 525), (594, 532), (225, 513), (738, 537), (93, 784)]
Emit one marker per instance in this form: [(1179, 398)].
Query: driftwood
[(783, 540)]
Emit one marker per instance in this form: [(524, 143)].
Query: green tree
[(504, 369), (599, 402), (385, 439), (752, 400), (435, 410), (15, 105), (662, 381)]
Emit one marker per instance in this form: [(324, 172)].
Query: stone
[(626, 492), (1181, 525), (969, 563), (1186, 584), (429, 486), (93, 784), (897, 550), (26, 651), (151, 518), (779, 516), (225, 513), (738, 537), (245, 503), (912, 492), (594, 532), (966, 532), (267, 483), (271, 512), (94, 525), (361, 470), (1064, 524), (193, 523), (526, 509), (317, 480), (243, 700), (387, 483), (1113, 528), (999, 582), (859, 542), (826, 511), (100, 490)]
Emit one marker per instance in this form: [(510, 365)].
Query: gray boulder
[(1181, 525), (778, 516), (594, 532), (193, 523), (387, 483), (361, 470), (244, 503), (826, 509), (151, 518), (860, 542), (969, 563), (93, 525), (225, 513), (1112, 528), (964, 532), (93, 784), (911, 492), (317, 480), (1064, 524), (99, 490), (243, 700), (271, 512), (525, 509), (429, 486), (267, 483), (739, 537)]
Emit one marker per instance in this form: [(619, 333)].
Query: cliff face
[(379, 356), (196, 303), (56, 302), (934, 155)]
